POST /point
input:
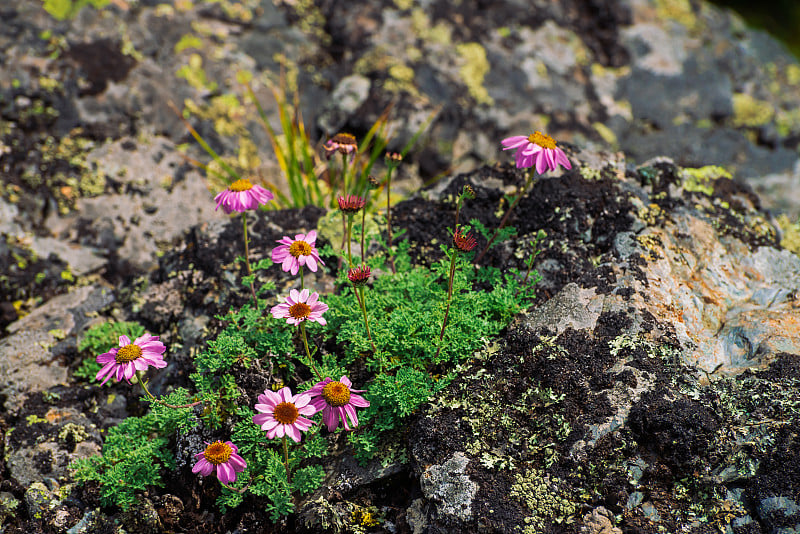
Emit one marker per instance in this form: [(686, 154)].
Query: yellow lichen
[(543, 498), (607, 134), (791, 234), (751, 112), (473, 70), (700, 180)]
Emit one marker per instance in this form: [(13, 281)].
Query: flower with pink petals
[(300, 306), (125, 360), (282, 414), (337, 401), (359, 276), (295, 253), (351, 204), (242, 195), (221, 457), (537, 149), (344, 143)]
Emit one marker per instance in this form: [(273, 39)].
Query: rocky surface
[(653, 387)]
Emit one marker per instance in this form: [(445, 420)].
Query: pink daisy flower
[(125, 360), (295, 253), (300, 306), (222, 457), (282, 414), (344, 143), (337, 401), (242, 195), (537, 149)]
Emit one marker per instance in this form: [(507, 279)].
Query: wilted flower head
[(351, 203), (537, 149), (221, 457), (337, 401), (344, 143), (242, 195), (468, 192), (373, 182), (125, 360), (359, 276), (300, 306), (294, 253), (464, 242), (282, 414), (393, 159)]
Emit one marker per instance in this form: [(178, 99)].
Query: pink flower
[(130, 357), (242, 195), (282, 414), (359, 276), (220, 456), (344, 143), (294, 253), (537, 149), (337, 401), (300, 306), (351, 203)]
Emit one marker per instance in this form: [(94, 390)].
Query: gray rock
[(29, 355), (450, 487)]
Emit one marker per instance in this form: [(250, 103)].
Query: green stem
[(449, 300), (503, 221), (302, 279), (363, 226), (286, 459), (363, 302), (140, 377), (247, 257), (345, 174), (389, 216), (308, 352), (347, 237)]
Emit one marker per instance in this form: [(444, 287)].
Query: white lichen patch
[(450, 487)]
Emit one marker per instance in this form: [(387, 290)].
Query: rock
[(29, 355), (351, 92), (450, 487), (598, 521)]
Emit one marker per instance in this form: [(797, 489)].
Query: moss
[(33, 419), (751, 112), (543, 497), (701, 179), (473, 71)]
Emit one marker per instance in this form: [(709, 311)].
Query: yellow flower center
[(128, 353), (300, 248), (218, 453), (543, 140), (345, 139), (336, 394), (242, 184), (300, 310), (286, 413)]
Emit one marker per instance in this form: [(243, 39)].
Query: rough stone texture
[(29, 356)]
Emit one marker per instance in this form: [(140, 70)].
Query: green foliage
[(266, 470), (67, 9), (503, 234), (100, 338), (135, 453), (406, 311)]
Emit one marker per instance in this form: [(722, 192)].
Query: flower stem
[(302, 279), (389, 216), (449, 300), (363, 302), (504, 220), (247, 257), (345, 174), (347, 237), (363, 228), (140, 376), (286, 459), (308, 352)]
